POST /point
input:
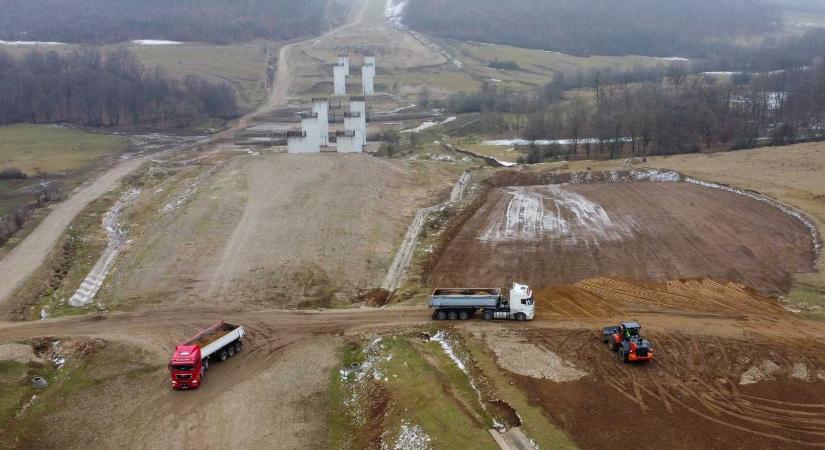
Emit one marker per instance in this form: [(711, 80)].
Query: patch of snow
[(524, 142), (673, 58), (721, 74), (570, 217), (31, 43), (410, 437), (505, 163), (412, 105), (495, 80), (155, 42), (428, 124), (656, 175)]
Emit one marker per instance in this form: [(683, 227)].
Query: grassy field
[(244, 66), (52, 149), (536, 67), (411, 383), (63, 153)]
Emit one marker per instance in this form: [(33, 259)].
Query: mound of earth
[(559, 234)]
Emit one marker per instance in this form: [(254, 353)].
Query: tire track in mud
[(685, 379)]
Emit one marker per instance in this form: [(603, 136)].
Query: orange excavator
[(627, 340)]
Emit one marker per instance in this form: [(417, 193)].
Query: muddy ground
[(546, 235)]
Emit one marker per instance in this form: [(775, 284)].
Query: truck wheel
[(521, 317), (441, 315), (488, 315), (206, 364), (463, 315), (230, 350), (222, 355), (238, 346), (611, 344), (452, 315), (622, 355)]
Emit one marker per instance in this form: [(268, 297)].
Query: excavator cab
[(630, 330), (627, 340)]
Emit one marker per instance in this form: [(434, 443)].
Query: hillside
[(596, 27)]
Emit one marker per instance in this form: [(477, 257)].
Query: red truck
[(191, 359)]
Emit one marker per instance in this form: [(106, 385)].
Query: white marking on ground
[(30, 43), (410, 437), (569, 217), (428, 124), (155, 42)]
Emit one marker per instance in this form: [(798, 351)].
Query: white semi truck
[(464, 303)]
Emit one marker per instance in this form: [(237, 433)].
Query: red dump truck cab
[(187, 367), (191, 359)]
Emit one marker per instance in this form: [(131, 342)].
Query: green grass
[(51, 149), (536, 67), (425, 388), (96, 371), (13, 389)]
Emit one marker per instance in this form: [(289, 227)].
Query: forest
[(108, 21), (690, 28), (681, 112), (92, 88)]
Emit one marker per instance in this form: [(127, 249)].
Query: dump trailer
[(464, 303), (191, 359)]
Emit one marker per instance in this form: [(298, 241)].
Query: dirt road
[(28, 255)]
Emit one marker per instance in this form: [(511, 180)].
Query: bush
[(504, 65), (12, 174)]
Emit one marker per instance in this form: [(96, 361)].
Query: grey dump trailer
[(464, 303)]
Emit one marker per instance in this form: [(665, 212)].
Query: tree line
[(96, 89), (679, 113), (689, 28), (108, 21)]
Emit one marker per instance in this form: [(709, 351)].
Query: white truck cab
[(521, 301)]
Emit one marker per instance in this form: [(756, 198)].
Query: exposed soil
[(547, 235), (285, 230)]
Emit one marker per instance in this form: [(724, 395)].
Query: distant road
[(30, 254)]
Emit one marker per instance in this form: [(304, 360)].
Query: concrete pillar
[(339, 76), (320, 106), (296, 142), (359, 105), (368, 75), (348, 142), (312, 129), (344, 61), (352, 121)]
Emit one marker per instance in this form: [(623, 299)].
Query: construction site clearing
[(699, 267)]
